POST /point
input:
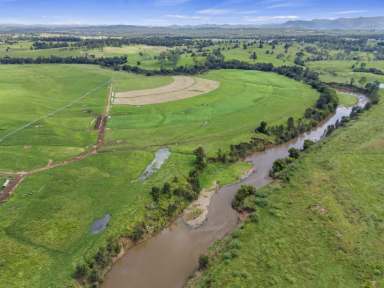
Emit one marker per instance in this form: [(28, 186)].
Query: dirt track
[(181, 88), (18, 177)]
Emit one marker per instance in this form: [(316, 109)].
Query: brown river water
[(170, 257)]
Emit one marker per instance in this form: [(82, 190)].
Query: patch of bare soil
[(12, 185), (197, 212), (181, 88)]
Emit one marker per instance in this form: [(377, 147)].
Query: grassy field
[(225, 116), (143, 56), (346, 99), (29, 93), (265, 54), (322, 229), (47, 222), (341, 71)]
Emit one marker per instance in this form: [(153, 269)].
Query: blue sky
[(181, 12)]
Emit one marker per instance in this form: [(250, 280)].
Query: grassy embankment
[(46, 226), (322, 229)]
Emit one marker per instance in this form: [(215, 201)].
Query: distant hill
[(362, 23), (298, 27)]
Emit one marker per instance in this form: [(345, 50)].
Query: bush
[(81, 271), (294, 153), (137, 232), (308, 144), (200, 161), (155, 193), (244, 192), (203, 262), (278, 166), (262, 128)]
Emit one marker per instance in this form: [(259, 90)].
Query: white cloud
[(214, 12), (248, 12), (346, 12), (184, 17), (270, 19)]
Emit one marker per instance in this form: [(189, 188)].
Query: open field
[(28, 94), (143, 56), (182, 87), (47, 221), (222, 117), (341, 72), (322, 229), (266, 54), (49, 114), (346, 99)]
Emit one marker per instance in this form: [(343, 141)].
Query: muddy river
[(169, 258)]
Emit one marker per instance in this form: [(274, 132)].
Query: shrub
[(166, 188), (244, 192), (308, 144), (294, 153), (155, 193), (81, 271), (278, 166), (200, 161), (262, 128), (203, 262), (137, 232)]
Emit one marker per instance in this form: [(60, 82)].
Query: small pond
[(100, 224), (160, 157)]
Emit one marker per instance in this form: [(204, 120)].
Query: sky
[(181, 12)]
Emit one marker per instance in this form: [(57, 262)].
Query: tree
[(244, 192), (162, 60), (194, 180), (203, 262), (200, 161), (138, 232), (308, 144), (291, 124), (294, 153), (278, 166), (166, 188), (155, 193), (174, 56), (363, 80), (253, 56), (262, 127)]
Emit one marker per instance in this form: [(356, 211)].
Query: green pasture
[(322, 229), (31, 92), (346, 99), (215, 120), (341, 72), (264, 55), (46, 224)]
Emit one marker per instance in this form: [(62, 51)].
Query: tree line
[(103, 61)]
